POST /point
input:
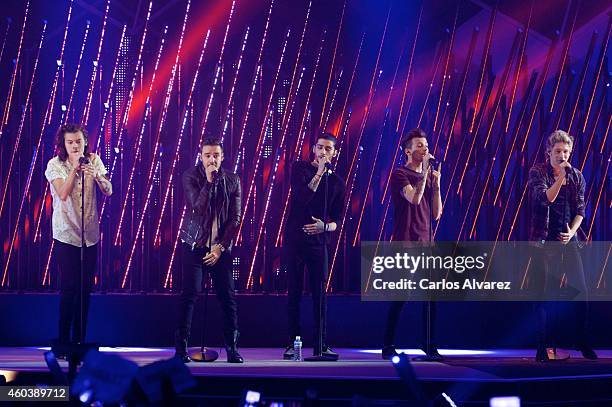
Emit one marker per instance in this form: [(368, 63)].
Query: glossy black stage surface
[(469, 377)]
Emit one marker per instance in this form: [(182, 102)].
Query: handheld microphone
[(83, 160), (215, 176), (329, 167), (568, 171)]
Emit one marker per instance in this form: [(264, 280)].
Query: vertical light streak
[(463, 82), (23, 198), (519, 66), (110, 90), (76, 75), (485, 58), (9, 98), (376, 74), (96, 64), (496, 104), (230, 98), (8, 26), (297, 63), (348, 91), (592, 137), (217, 74), (448, 57), (367, 191), (155, 156), (262, 133), (254, 79), (564, 59), (399, 116), (261, 227), (21, 125), (177, 150), (602, 57), (344, 215), (60, 63), (587, 60), (333, 100), (604, 181), (331, 69), (139, 142)]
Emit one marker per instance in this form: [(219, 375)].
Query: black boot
[(231, 348), (388, 351), (180, 346)]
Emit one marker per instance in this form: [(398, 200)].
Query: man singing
[(213, 198), (414, 188), (315, 190), (64, 173), (557, 209)]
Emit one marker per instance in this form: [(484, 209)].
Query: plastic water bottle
[(297, 349)]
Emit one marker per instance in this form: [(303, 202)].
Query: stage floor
[(480, 365), (471, 374)]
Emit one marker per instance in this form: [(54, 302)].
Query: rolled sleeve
[(53, 171)]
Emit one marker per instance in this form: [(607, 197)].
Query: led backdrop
[(488, 81)]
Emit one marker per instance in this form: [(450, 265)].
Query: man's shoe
[(233, 356), (180, 347), (433, 353), (542, 354), (329, 353), (388, 352), (588, 353), (289, 353), (232, 349), (183, 357)]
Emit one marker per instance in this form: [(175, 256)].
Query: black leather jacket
[(198, 193)]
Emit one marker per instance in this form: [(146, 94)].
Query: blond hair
[(558, 136)]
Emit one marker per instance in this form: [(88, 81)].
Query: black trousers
[(316, 261), (393, 316), (69, 263), (550, 263), (221, 272)]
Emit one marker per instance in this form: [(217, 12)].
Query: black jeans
[(316, 260), (69, 263), (221, 272), (393, 316), (550, 263)]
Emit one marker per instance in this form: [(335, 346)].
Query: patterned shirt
[(66, 220)]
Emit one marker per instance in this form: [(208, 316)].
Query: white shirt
[(66, 220)]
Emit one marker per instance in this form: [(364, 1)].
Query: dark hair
[(60, 142), (212, 142), (327, 136), (412, 134)]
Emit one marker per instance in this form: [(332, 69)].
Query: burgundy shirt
[(410, 222)]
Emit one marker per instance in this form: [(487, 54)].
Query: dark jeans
[(221, 272), (393, 316), (549, 265), (69, 263), (315, 258)]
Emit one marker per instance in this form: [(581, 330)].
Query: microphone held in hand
[(215, 176), (328, 168), (83, 160)]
